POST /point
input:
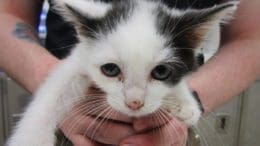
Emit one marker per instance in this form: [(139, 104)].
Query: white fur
[(89, 8), (136, 48), (53, 100)]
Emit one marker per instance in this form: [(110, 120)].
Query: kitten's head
[(139, 51)]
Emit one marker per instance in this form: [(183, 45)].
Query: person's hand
[(172, 133), (84, 130), (86, 125), (151, 133)]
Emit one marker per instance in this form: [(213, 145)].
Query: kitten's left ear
[(73, 10), (85, 15), (219, 13), (192, 27)]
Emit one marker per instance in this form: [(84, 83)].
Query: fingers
[(109, 132), (82, 121), (101, 130), (173, 133)]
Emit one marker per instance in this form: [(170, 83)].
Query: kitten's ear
[(194, 25), (219, 13), (74, 10)]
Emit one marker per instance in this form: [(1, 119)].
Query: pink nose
[(135, 104)]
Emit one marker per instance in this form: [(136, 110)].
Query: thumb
[(139, 140), (173, 133)]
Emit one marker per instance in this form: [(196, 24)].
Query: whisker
[(165, 114), (163, 137), (111, 113), (104, 112), (171, 125), (80, 111)]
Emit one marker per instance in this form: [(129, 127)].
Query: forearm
[(23, 58), (231, 71), (237, 64)]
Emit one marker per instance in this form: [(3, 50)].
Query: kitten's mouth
[(152, 121), (141, 123), (96, 99), (163, 114)]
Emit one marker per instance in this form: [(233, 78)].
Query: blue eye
[(161, 72), (110, 70)]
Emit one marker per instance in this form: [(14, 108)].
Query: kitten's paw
[(189, 114)]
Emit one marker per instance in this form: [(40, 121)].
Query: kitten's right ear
[(75, 10), (193, 25)]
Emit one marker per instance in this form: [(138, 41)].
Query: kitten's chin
[(136, 114)]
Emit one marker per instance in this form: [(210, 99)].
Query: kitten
[(139, 52)]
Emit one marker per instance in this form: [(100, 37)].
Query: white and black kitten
[(138, 52)]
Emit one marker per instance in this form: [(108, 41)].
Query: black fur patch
[(182, 42), (179, 68), (188, 30), (93, 27), (185, 33), (182, 31), (200, 59)]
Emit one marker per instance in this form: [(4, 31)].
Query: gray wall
[(250, 119)]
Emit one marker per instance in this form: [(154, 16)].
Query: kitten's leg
[(53, 100), (188, 109)]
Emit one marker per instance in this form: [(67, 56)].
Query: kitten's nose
[(134, 98), (135, 104)]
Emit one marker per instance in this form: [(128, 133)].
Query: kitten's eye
[(161, 72), (110, 70)]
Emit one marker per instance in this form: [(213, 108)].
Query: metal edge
[(5, 107), (2, 131), (234, 120), (244, 111), (239, 109)]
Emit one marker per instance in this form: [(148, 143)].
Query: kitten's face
[(138, 53), (127, 65)]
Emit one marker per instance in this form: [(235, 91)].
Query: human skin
[(26, 61), (237, 65), (231, 70)]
